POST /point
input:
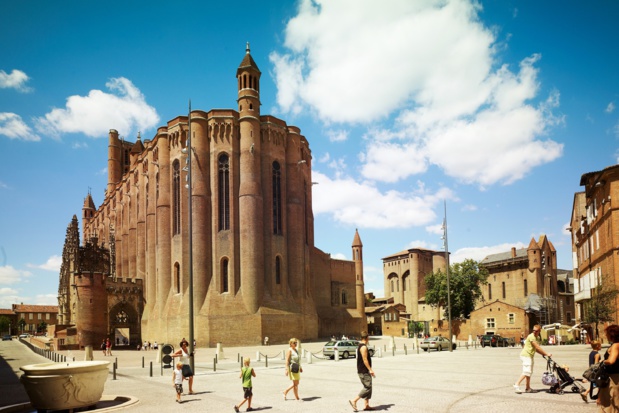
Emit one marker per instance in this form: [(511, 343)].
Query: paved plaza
[(465, 380)]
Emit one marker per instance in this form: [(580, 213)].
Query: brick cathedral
[(256, 270)]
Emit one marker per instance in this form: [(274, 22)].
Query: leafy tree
[(4, 323), (415, 327), (601, 307), (465, 281), (42, 327), (21, 323)]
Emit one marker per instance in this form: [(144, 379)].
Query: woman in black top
[(608, 398)]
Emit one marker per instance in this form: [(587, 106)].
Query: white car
[(24, 335), (345, 348), (436, 343)]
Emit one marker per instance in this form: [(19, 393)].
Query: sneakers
[(517, 389)]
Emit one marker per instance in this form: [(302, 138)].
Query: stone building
[(256, 271), (595, 239), (404, 276)]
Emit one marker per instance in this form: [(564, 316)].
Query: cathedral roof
[(137, 147), (88, 202)]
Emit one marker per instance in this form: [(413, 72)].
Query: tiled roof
[(28, 308), (6, 311), (503, 256)]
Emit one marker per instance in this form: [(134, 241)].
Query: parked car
[(491, 340), (506, 342), (436, 343), (346, 348), (7, 337), (24, 335)]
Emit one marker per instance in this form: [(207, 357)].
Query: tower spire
[(247, 48)]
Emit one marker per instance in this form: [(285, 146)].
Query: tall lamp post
[(446, 246), (188, 151)]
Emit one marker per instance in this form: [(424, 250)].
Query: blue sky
[(496, 108)]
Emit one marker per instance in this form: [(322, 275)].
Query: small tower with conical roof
[(357, 257), (88, 212)]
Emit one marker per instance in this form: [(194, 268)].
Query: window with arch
[(177, 278), (225, 287), (223, 183), (278, 270), (176, 198), (277, 198)]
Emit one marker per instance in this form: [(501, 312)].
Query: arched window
[(277, 199), (176, 198), (278, 271), (224, 276), (224, 192)]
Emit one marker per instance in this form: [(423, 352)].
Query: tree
[(601, 307), (465, 281), (4, 323), (415, 327), (42, 327), (21, 323)]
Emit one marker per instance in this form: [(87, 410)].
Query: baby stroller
[(559, 379)]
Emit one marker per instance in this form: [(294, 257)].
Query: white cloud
[(13, 127), (610, 108), (15, 80), (338, 256), (337, 135), (9, 296), (9, 275), (469, 208), (46, 299), (479, 253), (52, 264), (364, 206), (79, 145), (433, 67), (124, 109)]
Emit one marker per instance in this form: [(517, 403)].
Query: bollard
[(385, 348), (309, 357), (405, 351), (241, 362), (380, 352), (393, 351), (116, 361), (215, 364), (151, 369), (142, 361), (336, 355), (216, 358), (114, 369), (257, 355), (266, 361), (238, 357)]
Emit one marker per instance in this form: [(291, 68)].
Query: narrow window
[(278, 275), (177, 278), (526, 288), (224, 192), (224, 276), (489, 291), (176, 198), (277, 199), (391, 285), (344, 298), (503, 287)]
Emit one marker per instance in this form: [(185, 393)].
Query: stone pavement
[(473, 380)]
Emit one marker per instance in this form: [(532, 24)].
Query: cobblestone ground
[(465, 380)]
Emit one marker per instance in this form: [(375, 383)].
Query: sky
[(485, 112)]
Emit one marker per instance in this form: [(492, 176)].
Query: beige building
[(256, 270), (595, 238)]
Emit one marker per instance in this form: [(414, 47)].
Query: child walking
[(246, 374), (177, 379), (594, 358)]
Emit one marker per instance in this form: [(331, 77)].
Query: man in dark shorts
[(365, 372)]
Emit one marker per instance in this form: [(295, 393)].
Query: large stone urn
[(61, 386)]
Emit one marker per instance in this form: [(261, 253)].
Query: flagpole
[(190, 224)]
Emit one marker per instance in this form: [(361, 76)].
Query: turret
[(357, 257), (114, 161), (88, 212)]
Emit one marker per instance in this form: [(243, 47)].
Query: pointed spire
[(356, 242), (533, 245), (247, 48)]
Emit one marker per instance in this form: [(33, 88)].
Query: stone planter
[(61, 386)]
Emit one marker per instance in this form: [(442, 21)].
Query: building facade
[(256, 271), (595, 239), (35, 318)]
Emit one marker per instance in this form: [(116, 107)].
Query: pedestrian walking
[(108, 347), (177, 380), (293, 368), (365, 373), (184, 355), (594, 358), (246, 374), (531, 346), (608, 397)]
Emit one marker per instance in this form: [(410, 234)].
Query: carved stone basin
[(61, 386)]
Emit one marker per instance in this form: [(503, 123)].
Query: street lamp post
[(446, 246), (190, 225)]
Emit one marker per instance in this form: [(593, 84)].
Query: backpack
[(597, 374)]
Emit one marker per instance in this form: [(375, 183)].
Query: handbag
[(597, 374), (294, 367), (549, 379)]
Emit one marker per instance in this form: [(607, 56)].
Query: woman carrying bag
[(608, 398), (293, 368)]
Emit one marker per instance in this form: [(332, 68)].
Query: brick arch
[(124, 315)]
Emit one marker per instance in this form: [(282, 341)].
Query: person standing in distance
[(531, 346), (365, 373)]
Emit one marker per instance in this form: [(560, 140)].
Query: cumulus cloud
[(13, 127), (46, 299), (337, 135), (52, 264), (371, 208), (9, 296), (10, 275), (15, 80), (433, 67), (124, 108), (610, 108), (479, 253)]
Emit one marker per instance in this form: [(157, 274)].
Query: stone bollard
[(379, 352), (258, 356), (336, 355), (405, 351), (220, 351), (283, 355), (309, 357), (88, 354)]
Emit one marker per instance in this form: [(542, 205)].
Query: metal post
[(114, 370), (447, 270), (190, 224), (266, 361), (215, 364), (151, 369), (142, 361)]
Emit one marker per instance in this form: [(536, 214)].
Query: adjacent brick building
[(256, 270), (36, 317)]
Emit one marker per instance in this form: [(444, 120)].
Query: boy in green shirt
[(246, 374)]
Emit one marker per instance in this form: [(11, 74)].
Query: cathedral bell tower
[(251, 218)]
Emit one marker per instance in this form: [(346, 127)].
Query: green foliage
[(42, 327), (4, 323), (465, 281), (601, 307), (21, 323)]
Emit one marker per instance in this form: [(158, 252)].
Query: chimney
[(513, 252)]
